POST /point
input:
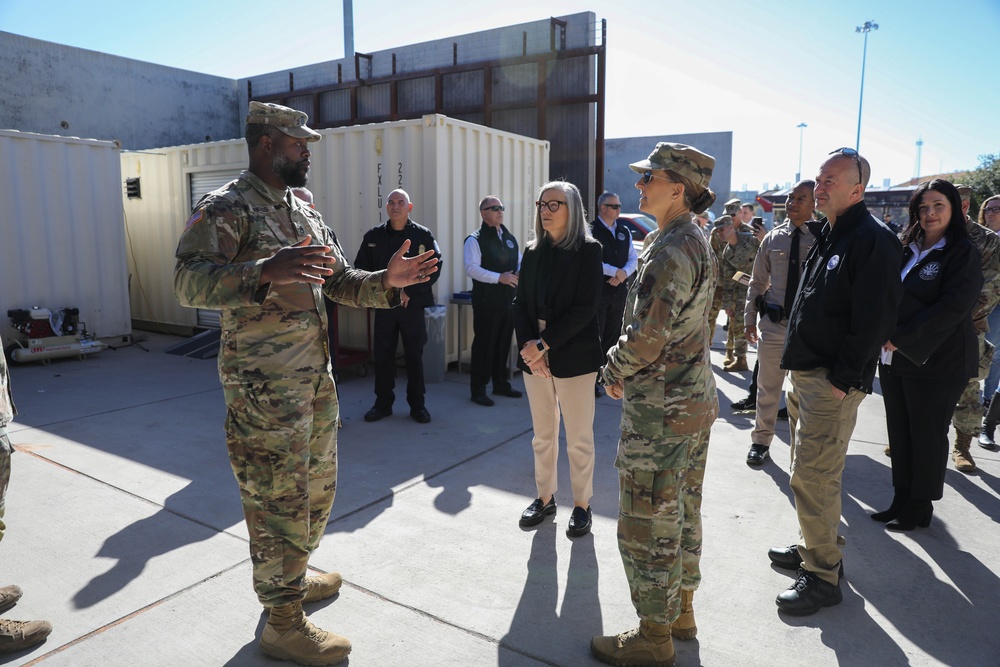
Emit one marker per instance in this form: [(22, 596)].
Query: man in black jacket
[(377, 248), (845, 309), (619, 262), (491, 259)]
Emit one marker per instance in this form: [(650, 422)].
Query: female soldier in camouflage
[(660, 368)]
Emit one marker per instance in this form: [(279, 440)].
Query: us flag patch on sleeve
[(195, 218)]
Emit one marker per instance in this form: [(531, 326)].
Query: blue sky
[(674, 66)]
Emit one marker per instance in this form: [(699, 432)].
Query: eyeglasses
[(647, 175), (614, 206), (854, 155), (551, 205), (992, 209), (492, 208)]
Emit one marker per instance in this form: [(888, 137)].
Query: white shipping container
[(63, 239), (447, 166)]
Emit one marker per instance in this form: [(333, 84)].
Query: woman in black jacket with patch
[(932, 352)]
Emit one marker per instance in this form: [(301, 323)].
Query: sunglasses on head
[(492, 208), (854, 155)]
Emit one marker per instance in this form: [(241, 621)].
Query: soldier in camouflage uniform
[(14, 635), (739, 250), (660, 367), (266, 259), (968, 412), (730, 210)]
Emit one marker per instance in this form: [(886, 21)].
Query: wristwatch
[(540, 345)]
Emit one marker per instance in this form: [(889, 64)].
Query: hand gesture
[(299, 263), (616, 390), (751, 332), (508, 278), (404, 271)]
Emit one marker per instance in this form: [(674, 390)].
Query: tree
[(985, 181)]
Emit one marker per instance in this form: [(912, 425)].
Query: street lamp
[(798, 174), (866, 28)]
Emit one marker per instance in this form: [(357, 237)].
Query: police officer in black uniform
[(491, 259), (619, 261), (407, 321)]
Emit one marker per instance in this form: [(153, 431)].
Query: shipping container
[(63, 238), (446, 166)]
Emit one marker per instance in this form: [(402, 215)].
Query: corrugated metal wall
[(447, 167), (63, 238)]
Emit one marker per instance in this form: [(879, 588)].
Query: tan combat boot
[(649, 645), (19, 635), (738, 364), (961, 456), (289, 635), (9, 595), (730, 358), (684, 627), (322, 586)]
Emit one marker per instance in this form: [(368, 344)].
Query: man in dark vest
[(620, 262), (492, 259)]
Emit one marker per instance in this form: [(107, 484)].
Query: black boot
[(900, 499), (916, 513), (986, 438)]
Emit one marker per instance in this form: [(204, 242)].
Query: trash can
[(435, 319)]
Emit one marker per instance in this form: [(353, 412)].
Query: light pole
[(866, 28), (798, 174)]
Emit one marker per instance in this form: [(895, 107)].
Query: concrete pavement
[(125, 531)]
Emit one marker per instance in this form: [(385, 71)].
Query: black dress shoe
[(483, 399), (758, 454), (808, 595), (783, 414), (508, 391), (916, 513), (420, 415), (580, 522), (787, 558), (377, 413), (900, 499), (536, 511), (748, 404)]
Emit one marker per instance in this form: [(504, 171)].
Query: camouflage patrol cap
[(732, 206), (964, 191), (681, 159), (289, 121)]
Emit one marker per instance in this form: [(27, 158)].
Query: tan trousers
[(821, 428), (574, 398), (770, 377)]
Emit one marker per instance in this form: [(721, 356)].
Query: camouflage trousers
[(713, 314), (282, 439), (659, 530), (5, 451), (969, 411)]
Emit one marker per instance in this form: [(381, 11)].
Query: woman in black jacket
[(932, 353), (555, 319)]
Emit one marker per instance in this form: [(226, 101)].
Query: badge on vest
[(421, 249), (832, 264), (621, 236), (930, 271), (510, 244)]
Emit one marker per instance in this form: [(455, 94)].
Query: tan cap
[(732, 206), (964, 191), (681, 159), (289, 121)]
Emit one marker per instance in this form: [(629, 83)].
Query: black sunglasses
[(647, 175), (614, 206), (854, 155), (492, 208)]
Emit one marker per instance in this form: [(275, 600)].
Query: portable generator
[(49, 334)]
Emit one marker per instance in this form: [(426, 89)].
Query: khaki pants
[(821, 428), (770, 377), (574, 398)]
